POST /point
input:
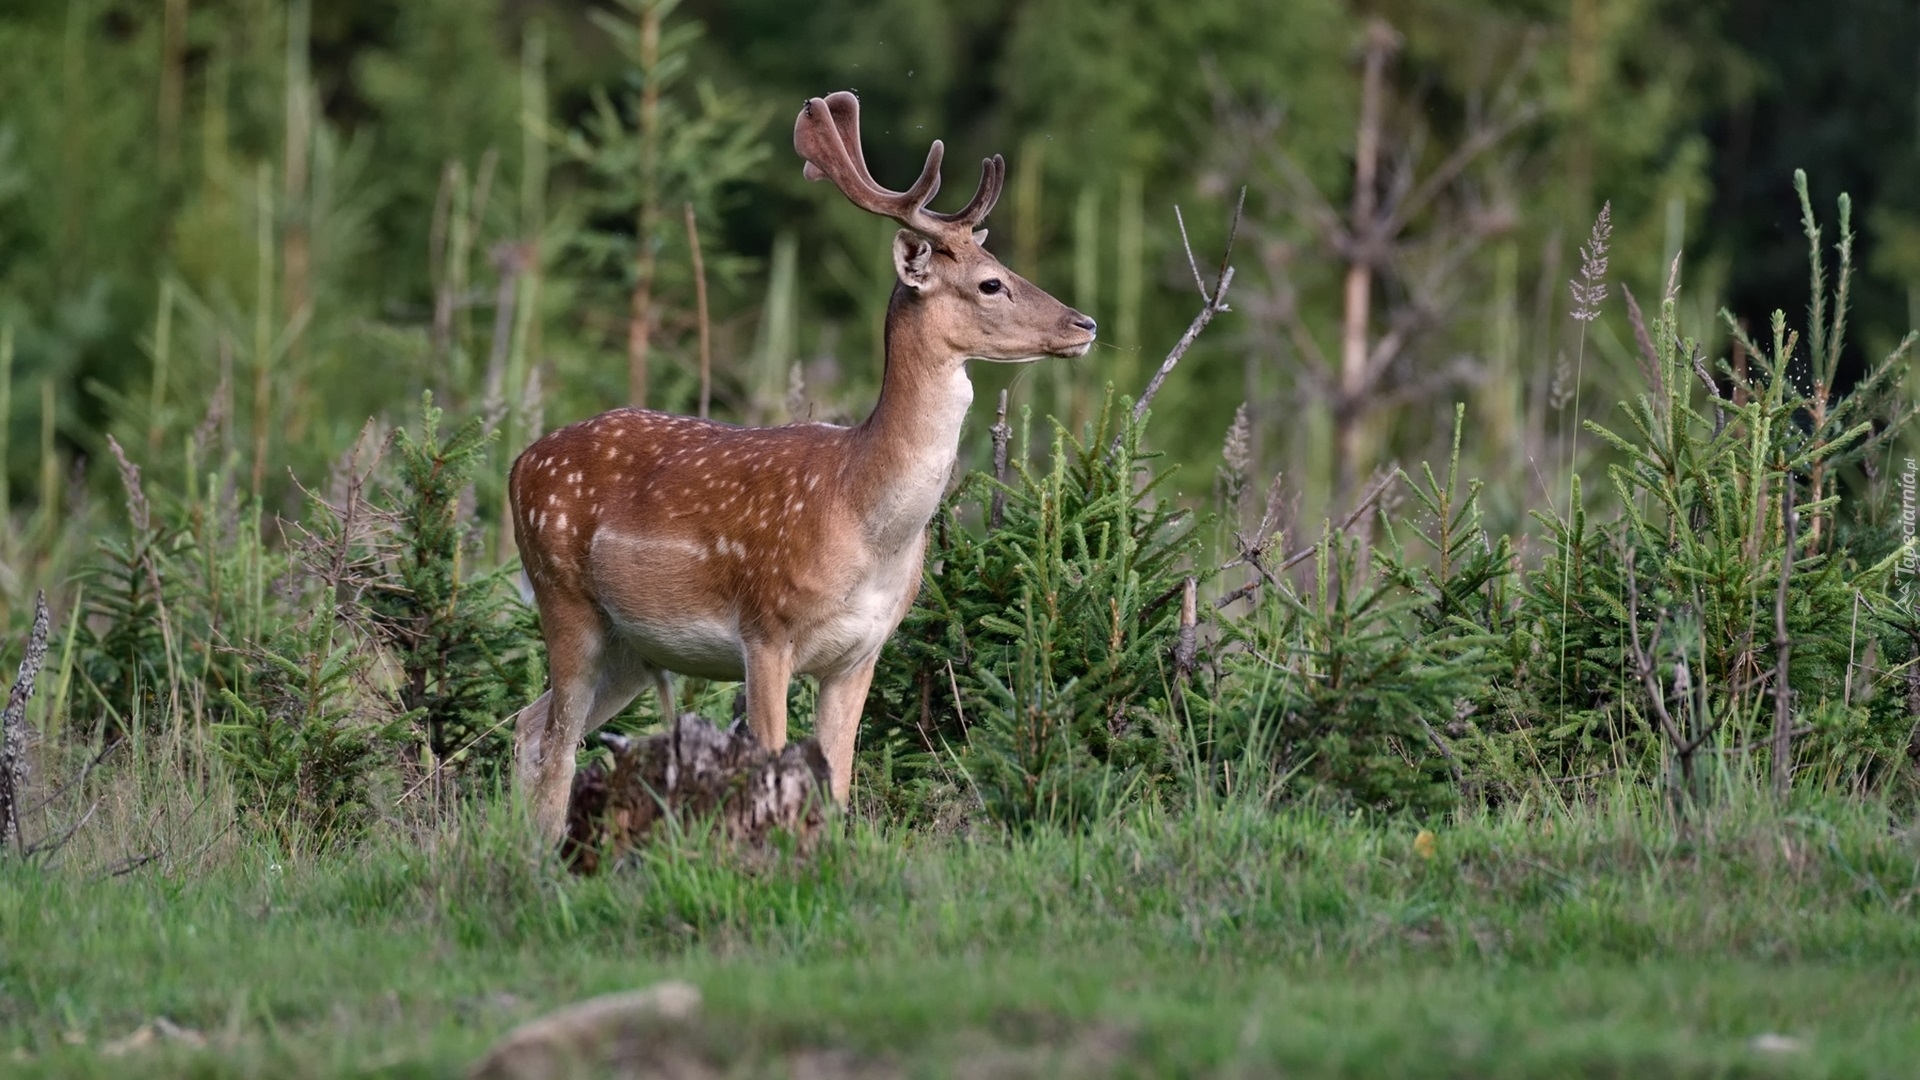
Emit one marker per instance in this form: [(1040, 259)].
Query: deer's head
[(964, 297)]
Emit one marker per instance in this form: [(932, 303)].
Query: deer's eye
[(990, 286)]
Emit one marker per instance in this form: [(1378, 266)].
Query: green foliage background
[(127, 163), (231, 231)]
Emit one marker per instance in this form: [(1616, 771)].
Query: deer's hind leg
[(592, 678), (769, 667)]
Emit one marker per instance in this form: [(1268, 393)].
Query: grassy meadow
[(1483, 653), (1234, 940)]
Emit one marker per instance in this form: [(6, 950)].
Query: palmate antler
[(827, 135)]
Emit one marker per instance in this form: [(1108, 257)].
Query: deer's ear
[(912, 259), (979, 238)]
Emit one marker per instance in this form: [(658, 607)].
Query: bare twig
[(1645, 669), (1187, 645), (1001, 434), (51, 845), (953, 683), (1453, 765), (85, 771), (1783, 647), (1750, 747), (1478, 143), (441, 766), (1367, 502), (1215, 303), (130, 864), (700, 307), (1187, 244), (1713, 390), (1249, 556), (13, 747)]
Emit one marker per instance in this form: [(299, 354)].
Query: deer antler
[(827, 135)]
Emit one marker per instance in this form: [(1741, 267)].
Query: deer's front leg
[(769, 671), (843, 697)]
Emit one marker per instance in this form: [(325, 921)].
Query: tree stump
[(689, 772)]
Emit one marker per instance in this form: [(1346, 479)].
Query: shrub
[(1037, 652)]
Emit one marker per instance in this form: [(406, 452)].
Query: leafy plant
[(461, 640), (307, 742), (1038, 650), (1722, 611)]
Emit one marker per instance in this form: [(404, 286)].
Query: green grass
[(1225, 942)]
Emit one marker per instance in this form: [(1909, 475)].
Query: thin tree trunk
[(173, 81), (1783, 648), (640, 315), (1349, 438), (700, 308)]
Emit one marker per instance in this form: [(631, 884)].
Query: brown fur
[(659, 543)]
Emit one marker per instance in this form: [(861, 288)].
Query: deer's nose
[(1083, 322)]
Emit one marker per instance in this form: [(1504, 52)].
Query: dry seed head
[(1238, 451), (1560, 390), (796, 393), (1590, 288), (137, 510)]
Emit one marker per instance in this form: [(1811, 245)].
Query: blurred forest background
[(279, 217)]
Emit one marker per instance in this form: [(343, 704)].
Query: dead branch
[(85, 771), (700, 308), (1186, 647), (1249, 555), (50, 846), (1386, 219), (1213, 304), (1001, 434), (13, 744), (1644, 667), (1446, 752), (1783, 648)]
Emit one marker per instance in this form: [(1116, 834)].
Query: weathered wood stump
[(690, 772)]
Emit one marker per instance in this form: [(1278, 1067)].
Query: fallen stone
[(629, 1035)]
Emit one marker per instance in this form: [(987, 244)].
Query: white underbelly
[(687, 645)]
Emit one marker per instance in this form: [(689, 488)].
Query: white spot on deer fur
[(561, 521), (553, 498)]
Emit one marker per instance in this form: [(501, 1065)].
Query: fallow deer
[(658, 543)]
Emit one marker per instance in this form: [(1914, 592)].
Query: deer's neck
[(907, 447)]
